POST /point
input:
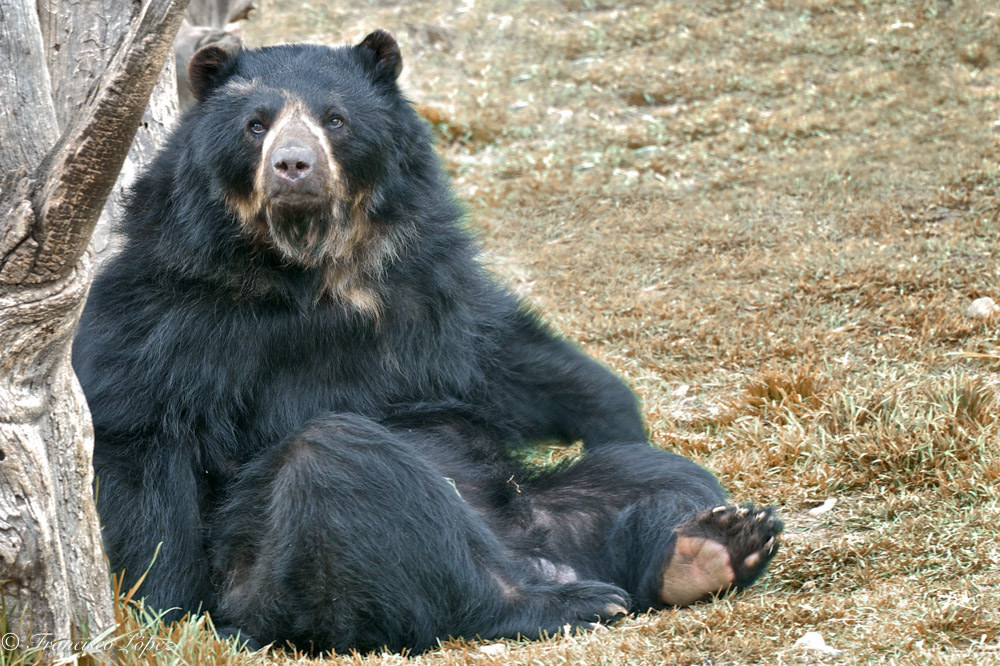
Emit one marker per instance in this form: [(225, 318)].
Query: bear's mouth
[(296, 204), (308, 231), (333, 232)]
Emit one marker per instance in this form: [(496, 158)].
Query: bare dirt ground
[(770, 217)]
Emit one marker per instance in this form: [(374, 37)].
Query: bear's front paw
[(585, 605)]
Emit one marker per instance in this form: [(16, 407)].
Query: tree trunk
[(157, 121), (76, 45), (74, 85)]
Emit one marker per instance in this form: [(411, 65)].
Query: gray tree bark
[(75, 77), (77, 36)]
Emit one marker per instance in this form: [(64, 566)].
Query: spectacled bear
[(306, 392)]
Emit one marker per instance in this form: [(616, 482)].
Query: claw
[(615, 610)]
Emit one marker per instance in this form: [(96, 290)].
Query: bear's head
[(303, 143)]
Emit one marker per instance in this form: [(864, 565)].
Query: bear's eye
[(256, 127), (335, 122)]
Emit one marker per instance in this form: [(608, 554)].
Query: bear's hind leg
[(344, 537), (647, 520)]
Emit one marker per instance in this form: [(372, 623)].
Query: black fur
[(338, 478)]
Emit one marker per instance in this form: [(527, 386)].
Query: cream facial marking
[(294, 117), (332, 229)]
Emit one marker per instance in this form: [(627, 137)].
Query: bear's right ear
[(209, 66)]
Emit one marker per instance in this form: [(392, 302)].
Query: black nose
[(293, 162)]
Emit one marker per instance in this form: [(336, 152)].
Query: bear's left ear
[(210, 66), (386, 50)]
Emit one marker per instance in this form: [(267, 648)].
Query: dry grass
[(769, 217)]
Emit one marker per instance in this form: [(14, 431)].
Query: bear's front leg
[(151, 521), (551, 390)]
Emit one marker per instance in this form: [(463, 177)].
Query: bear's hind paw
[(720, 549)]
